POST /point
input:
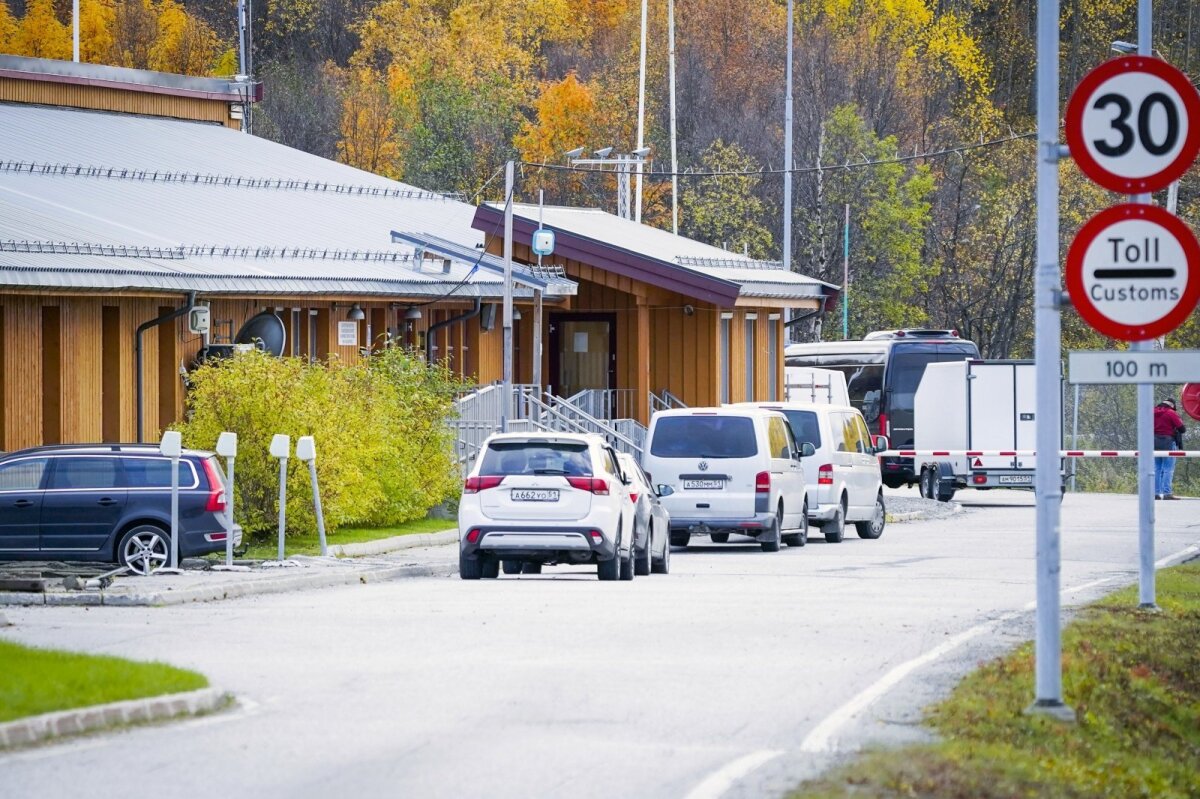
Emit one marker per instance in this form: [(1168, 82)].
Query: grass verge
[(265, 546), (1133, 678), (45, 680)]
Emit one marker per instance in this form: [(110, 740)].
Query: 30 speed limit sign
[(1133, 124)]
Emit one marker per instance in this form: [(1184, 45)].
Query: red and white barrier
[(1028, 453)]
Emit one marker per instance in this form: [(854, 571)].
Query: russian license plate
[(1016, 479), (710, 484), (535, 495)]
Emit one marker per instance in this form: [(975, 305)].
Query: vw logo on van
[(703, 466)]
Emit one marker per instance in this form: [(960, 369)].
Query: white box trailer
[(975, 406), (815, 386)]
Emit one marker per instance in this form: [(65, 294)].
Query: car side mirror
[(807, 450), (880, 443), (664, 490)]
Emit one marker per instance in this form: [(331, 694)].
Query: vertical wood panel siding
[(51, 375), (23, 377), (102, 98)]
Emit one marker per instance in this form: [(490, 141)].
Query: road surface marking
[(722, 779), (821, 739)]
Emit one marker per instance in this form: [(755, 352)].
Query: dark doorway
[(583, 352)]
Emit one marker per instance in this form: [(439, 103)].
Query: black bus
[(882, 373)]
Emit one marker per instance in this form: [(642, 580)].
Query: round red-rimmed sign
[(1133, 124), (1133, 272)]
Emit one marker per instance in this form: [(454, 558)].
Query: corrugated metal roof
[(756, 278), (144, 212)]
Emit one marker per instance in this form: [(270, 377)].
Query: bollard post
[(172, 447), (227, 449), (306, 450), (280, 446)]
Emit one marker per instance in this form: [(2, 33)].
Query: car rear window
[(704, 437), (537, 457), (805, 427), (156, 473)]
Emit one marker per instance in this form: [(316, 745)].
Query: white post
[(674, 137), (507, 342), (306, 450), (787, 150), (641, 131), (1047, 354), (172, 447), (280, 447), (75, 31), (1145, 402), (227, 448)]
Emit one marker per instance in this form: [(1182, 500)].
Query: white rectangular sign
[(347, 334), (1162, 366)]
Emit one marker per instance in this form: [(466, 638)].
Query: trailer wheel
[(927, 482), (944, 493)]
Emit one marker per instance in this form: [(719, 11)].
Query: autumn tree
[(723, 210), (8, 29), (367, 127), (96, 21), (40, 34)]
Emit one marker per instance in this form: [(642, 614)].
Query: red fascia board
[(256, 94), (619, 261)]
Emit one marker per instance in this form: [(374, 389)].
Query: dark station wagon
[(109, 503)]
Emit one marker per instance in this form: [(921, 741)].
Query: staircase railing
[(664, 401)]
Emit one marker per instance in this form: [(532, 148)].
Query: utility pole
[(787, 150), (75, 31), (674, 152), (641, 131), (507, 341)]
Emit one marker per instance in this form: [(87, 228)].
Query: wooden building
[(126, 196)]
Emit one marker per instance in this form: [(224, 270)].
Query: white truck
[(815, 386), (975, 406)]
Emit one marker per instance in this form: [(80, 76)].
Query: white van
[(816, 386), (845, 483), (732, 471)]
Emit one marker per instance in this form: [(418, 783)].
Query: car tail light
[(825, 475), (216, 493), (597, 536), (476, 484), (980, 479), (762, 483), (473, 535), (596, 485), (883, 425)]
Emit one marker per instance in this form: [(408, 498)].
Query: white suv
[(731, 470), (844, 480), (537, 498)]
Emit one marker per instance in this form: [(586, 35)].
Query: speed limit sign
[(1133, 124)]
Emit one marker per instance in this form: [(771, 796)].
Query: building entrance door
[(583, 352)]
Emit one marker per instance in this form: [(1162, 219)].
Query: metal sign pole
[(1145, 403), (306, 450), (507, 343), (280, 447), (1047, 353)]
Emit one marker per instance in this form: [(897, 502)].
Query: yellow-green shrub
[(384, 454)]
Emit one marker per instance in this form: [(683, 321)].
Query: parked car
[(109, 502), (652, 541), (546, 498), (731, 470), (845, 483)]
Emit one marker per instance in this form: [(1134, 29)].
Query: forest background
[(915, 113)]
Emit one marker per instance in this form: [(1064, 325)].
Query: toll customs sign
[(1133, 124), (1132, 272)]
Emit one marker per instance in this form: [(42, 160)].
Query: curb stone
[(395, 544), (916, 515), (48, 726)]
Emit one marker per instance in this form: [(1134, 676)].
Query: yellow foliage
[(96, 20), (8, 28), (185, 45), (40, 34), (367, 126)]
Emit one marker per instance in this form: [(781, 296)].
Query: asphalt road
[(733, 676)]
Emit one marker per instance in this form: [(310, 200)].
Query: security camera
[(688, 310)]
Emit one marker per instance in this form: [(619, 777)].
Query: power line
[(808, 169)]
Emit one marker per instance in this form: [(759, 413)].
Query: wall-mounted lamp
[(516, 313), (356, 313), (412, 313)]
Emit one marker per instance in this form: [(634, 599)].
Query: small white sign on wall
[(581, 342), (347, 334)]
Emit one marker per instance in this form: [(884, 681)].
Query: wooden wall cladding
[(102, 98)]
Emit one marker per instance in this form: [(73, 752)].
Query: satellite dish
[(265, 331)]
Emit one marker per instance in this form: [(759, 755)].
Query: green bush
[(384, 452)]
